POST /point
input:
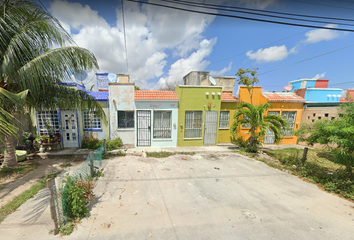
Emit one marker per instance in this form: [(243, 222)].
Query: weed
[(22, 169), (117, 154), (67, 228), (114, 144), (161, 154)]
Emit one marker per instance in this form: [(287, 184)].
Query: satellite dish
[(212, 80), (112, 77), (117, 79), (288, 88), (81, 77)]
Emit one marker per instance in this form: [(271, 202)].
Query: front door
[(210, 127), (269, 135), (69, 129), (143, 128)]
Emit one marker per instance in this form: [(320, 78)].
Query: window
[(290, 117), (319, 117), (340, 115), (332, 118), (48, 122), (308, 117), (326, 115), (313, 114), (312, 120), (125, 119), (91, 121), (162, 124), (247, 125), (193, 124), (224, 119)]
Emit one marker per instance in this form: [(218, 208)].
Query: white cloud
[(195, 62), (222, 71), (319, 75), (150, 33), (319, 35), (271, 54)]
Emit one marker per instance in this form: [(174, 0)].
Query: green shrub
[(91, 143), (114, 144), (245, 145)]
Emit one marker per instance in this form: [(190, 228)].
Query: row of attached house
[(199, 112)]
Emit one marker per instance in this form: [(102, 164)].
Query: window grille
[(162, 124), (290, 116), (247, 125), (48, 122), (193, 124), (125, 119), (224, 119), (91, 121)]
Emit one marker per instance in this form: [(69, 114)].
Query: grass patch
[(110, 155), (23, 168), (320, 168), (161, 154), (164, 154), (23, 197)]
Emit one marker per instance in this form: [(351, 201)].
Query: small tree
[(136, 88), (169, 86), (248, 78), (337, 135), (253, 116)]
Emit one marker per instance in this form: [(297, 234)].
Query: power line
[(226, 8), (268, 11), (125, 38), (321, 4), (241, 17), (307, 59)]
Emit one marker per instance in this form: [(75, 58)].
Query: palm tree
[(255, 118), (35, 54)]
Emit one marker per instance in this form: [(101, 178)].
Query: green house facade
[(198, 115)]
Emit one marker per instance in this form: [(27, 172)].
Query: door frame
[(137, 128), (216, 128), (77, 127)]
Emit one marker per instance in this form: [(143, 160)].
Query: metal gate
[(269, 135), (143, 128), (210, 127)]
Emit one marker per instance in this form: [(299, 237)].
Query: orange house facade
[(286, 104)]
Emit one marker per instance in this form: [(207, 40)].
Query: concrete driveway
[(205, 196), (211, 196)]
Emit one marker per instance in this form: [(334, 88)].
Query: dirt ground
[(13, 186)]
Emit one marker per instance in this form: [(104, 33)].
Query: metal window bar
[(290, 116), (46, 118), (193, 124), (224, 119), (162, 124), (269, 136), (125, 119), (91, 120)]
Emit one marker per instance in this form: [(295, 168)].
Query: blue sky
[(163, 44)]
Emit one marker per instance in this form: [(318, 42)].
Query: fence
[(58, 189)]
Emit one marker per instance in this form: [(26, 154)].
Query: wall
[(244, 96), (303, 83), (195, 78), (121, 97), (224, 134), (313, 113), (320, 95), (195, 99), (160, 105), (104, 134)]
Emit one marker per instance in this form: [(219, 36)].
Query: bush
[(91, 143), (245, 145), (114, 144)]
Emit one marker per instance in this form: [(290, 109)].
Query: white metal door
[(210, 128), (69, 129)]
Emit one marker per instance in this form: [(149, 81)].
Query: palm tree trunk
[(10, 155)]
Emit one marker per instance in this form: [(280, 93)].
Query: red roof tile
[(283, 97), (350, 95), (228, 97), (155, 95), (342, 100)]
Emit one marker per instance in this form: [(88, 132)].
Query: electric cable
[(125, 38)]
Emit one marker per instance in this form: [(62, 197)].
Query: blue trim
[(102, 74), (78, 129), (109, 122), (101, 100), (93, 129)]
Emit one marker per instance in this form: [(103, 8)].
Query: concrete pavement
[(211, 195)]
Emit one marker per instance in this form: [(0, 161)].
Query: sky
[(163, 45)]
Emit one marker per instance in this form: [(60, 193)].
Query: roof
[(228, 97), (155, 95), (283, 97), (350, 94), (342, 100), (99, 96)]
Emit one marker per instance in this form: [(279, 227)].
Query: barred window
[(48, 122), (193, 124), (91, 121), (224, 119), (125, 119), (247, 125), (162, 124), (290, 116)]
